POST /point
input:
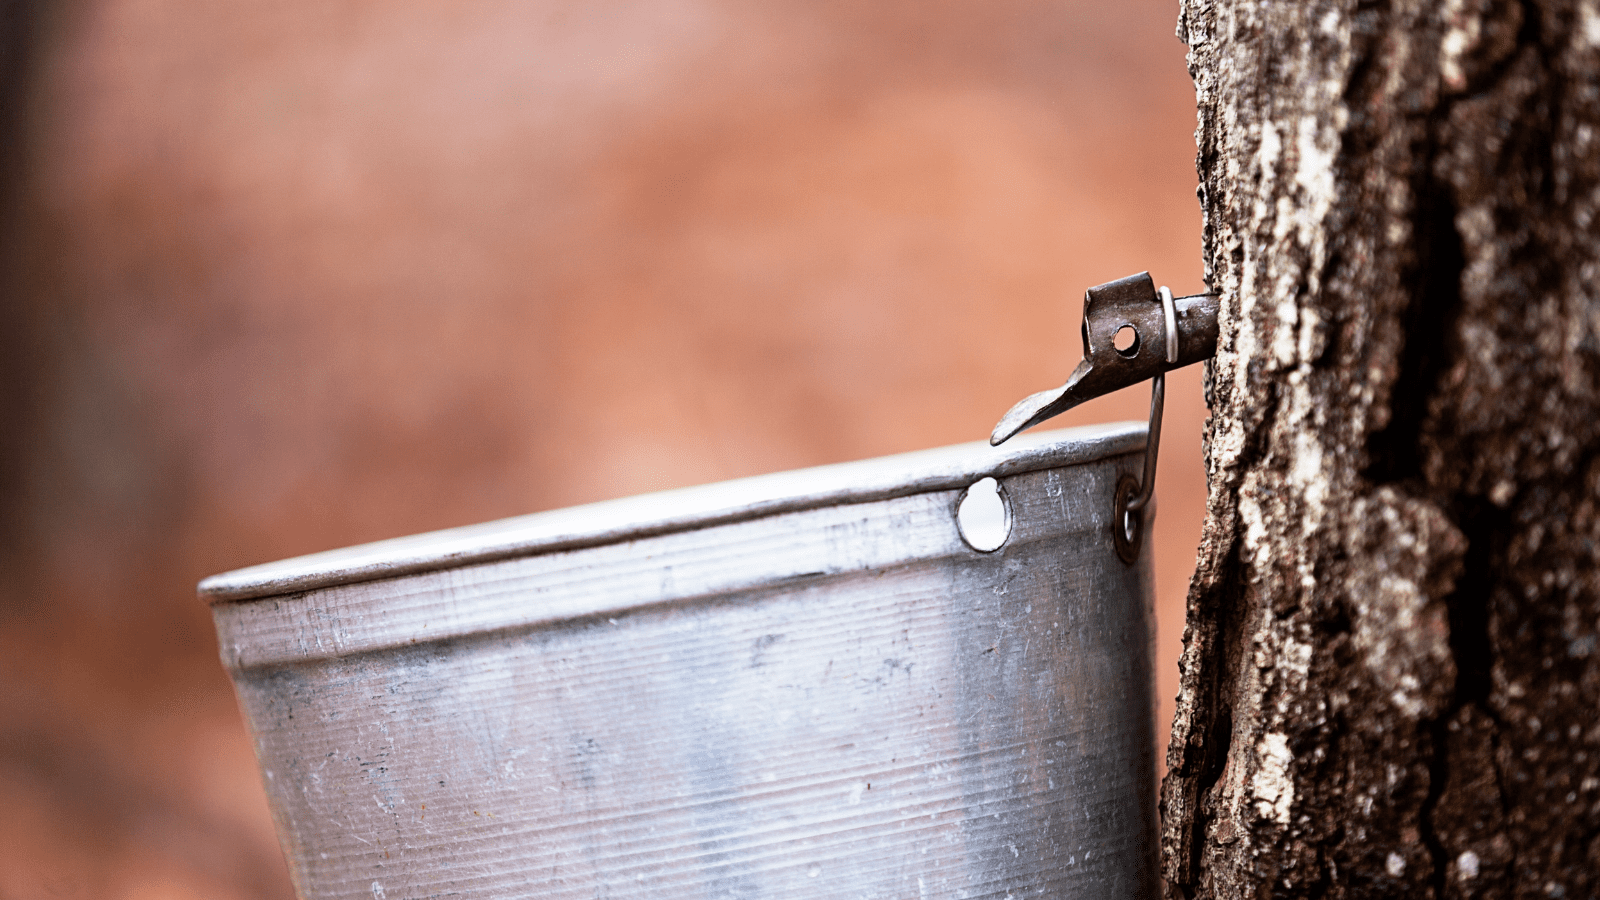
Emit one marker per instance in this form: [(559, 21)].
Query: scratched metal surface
[(830, 700)]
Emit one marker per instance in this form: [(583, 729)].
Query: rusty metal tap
[(1158, 345), (1156, 333)]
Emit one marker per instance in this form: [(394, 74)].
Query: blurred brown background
[(287, 276)]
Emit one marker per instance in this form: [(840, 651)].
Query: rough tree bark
[(1390, 681)]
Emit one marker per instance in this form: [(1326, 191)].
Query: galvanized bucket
[(809, 684)]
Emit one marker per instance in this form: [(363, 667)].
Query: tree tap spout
[(1131, 331)]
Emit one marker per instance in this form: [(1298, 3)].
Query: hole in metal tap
[(983, 517), (1126, 340)]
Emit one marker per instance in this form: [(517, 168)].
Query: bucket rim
[(679, 509)]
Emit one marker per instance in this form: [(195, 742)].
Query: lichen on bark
[(1389, 682)]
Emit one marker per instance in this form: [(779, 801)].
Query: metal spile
[(1107, 309), (1160, 333)]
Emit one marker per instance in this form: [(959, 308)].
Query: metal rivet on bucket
[(984, 516)]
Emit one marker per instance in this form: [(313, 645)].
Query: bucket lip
[(680, 509)]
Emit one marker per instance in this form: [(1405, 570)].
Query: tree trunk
[(1390, 679)]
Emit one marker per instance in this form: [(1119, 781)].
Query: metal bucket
[(801, 685)]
